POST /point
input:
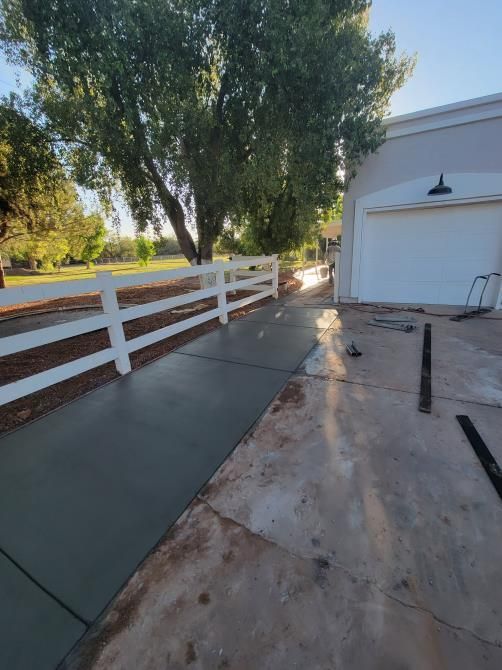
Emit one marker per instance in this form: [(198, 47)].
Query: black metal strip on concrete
[(485, 456), (425, 381)]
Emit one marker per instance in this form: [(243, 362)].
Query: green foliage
[(333, 213), (118, 246), (229, 242), (92, 238), (31, 177), (167, 246), (145, 249), (206, 110), (50, 250), (59, 228)]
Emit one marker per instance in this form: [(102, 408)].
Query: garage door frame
[(467, 188)]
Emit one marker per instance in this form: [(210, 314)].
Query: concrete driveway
[(346, 531)]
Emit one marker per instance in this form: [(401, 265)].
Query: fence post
[(116, 329), (275, 279), (233, 273), (222, 296), (336, 279)]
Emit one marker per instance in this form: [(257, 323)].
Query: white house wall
[(417, 151)]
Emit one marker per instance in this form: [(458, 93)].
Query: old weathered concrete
[(347, 531), (217, 596), (465, 355)]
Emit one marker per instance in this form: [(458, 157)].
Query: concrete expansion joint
[(328, 562), (341, 380)]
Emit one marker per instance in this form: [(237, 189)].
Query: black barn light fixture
[(440, 188)]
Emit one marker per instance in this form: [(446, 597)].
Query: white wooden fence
[(113, 318)]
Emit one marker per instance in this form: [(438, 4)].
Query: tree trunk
[(172, 207), (88, 265), (205, 257), (33, 264), (2, 273), (206, 252)]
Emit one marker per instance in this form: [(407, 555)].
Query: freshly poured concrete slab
[(293, 316), (263, 344), (35, 631), (88, 490)]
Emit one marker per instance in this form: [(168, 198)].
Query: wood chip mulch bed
[(17, 366)]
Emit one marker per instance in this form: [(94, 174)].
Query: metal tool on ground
[(395, 318), (352, 349), (490, 465), (425, 381), (405, 326), (469, 314)]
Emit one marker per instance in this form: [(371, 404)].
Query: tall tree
[(59, 227), (92, 237), (118, 246), (145, 249), (31, 176), (205, 108)]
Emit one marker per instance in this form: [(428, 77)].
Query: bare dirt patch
[(18, 366)]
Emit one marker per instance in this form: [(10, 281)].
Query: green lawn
[(71, 272)]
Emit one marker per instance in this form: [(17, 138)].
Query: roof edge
[(454, 114)]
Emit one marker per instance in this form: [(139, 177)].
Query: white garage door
[(431, 255)]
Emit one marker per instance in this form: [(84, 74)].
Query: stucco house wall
[(463, 137)]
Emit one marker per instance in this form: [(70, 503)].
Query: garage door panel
[(427, 245), (455, 293), (430, 254), (460, 269), (416, 292), (473, 245), (424, 269)]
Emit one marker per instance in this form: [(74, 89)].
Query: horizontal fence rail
[(261, 283)]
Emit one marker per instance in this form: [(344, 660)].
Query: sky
[(458, 45)]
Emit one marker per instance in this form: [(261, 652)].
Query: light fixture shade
[(440, 188)]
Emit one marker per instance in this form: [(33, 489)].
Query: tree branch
[(221, 100)]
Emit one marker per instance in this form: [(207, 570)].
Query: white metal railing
[(113, 318)]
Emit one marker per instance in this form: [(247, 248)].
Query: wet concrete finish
[(263, 344), (35, 631), (88, 490), (292, 316)]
